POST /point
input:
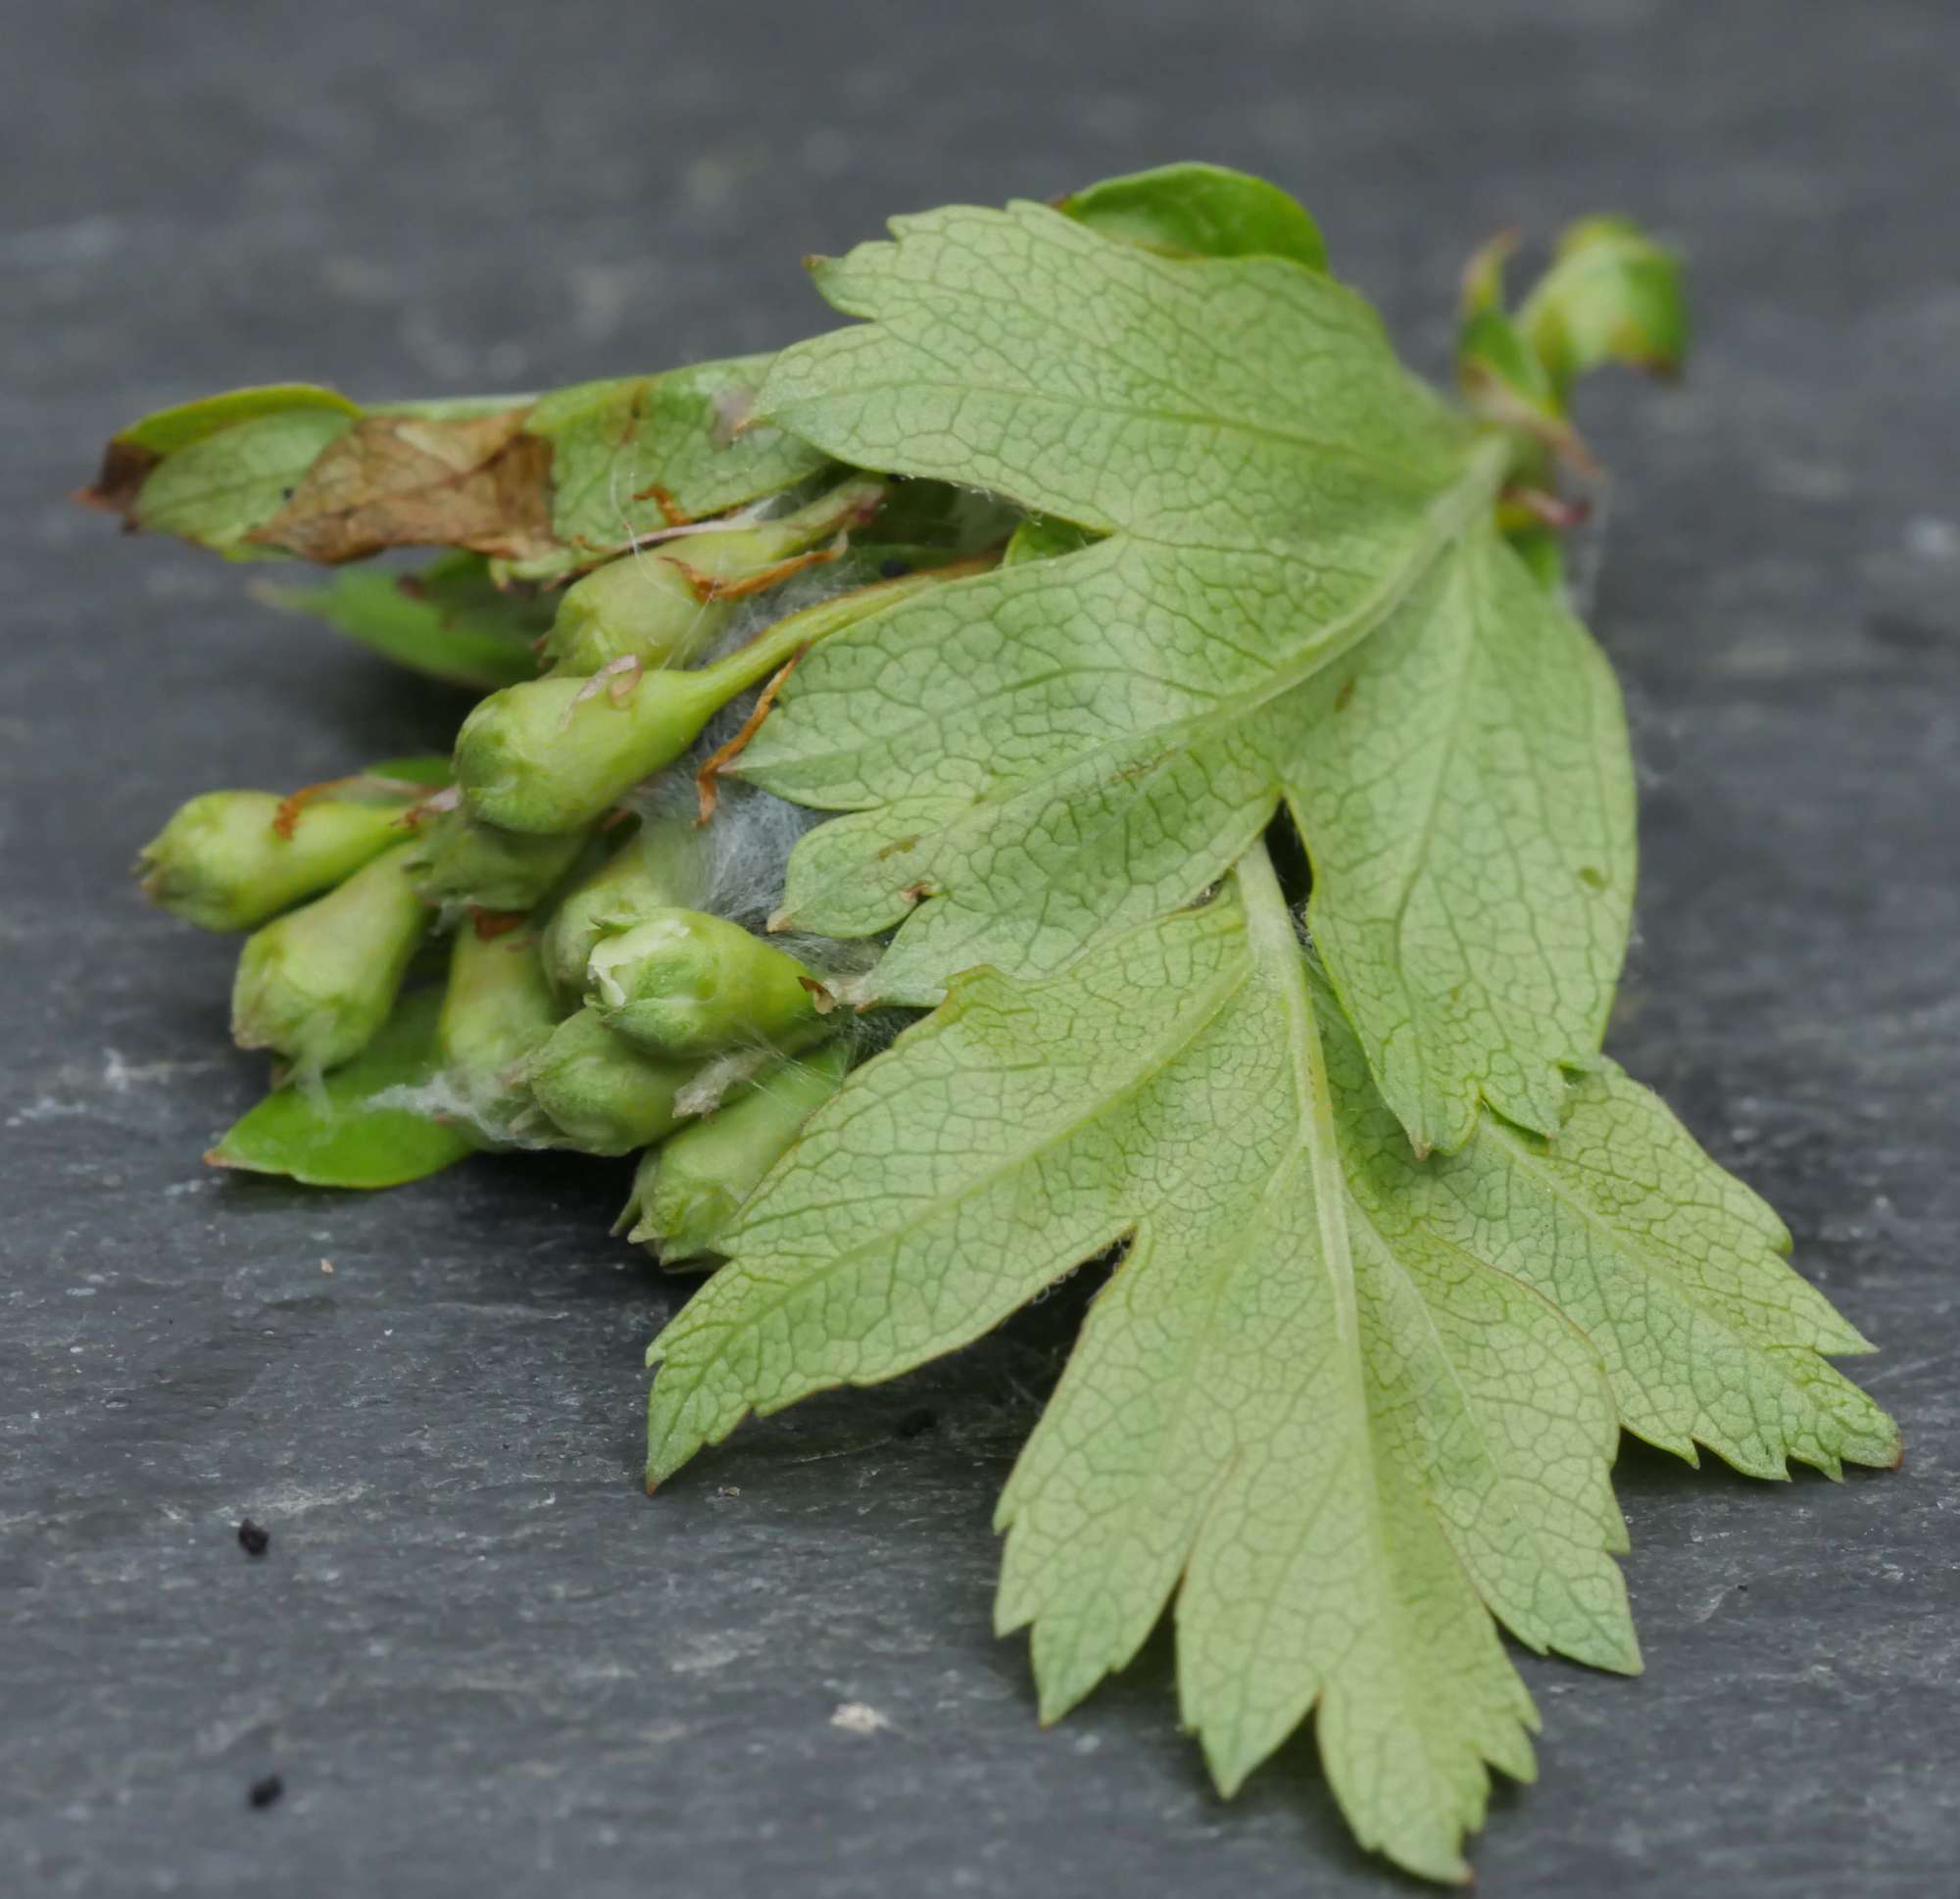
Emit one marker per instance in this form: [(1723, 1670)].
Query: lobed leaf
[(1343, 1404), (548, 485), (1301, 596)]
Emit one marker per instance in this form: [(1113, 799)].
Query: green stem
[(555, 753)]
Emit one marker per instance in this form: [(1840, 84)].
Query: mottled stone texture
[(479, 1659)]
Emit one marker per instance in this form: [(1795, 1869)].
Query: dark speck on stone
[(252, 1539), (915, 1423), (263, 1793)]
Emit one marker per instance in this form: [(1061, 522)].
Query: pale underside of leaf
[(1300, 597), (1336, 1401), (1337, 1452)]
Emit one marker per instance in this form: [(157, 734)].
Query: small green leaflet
[(449, 620), (1344, 1405), (1199, 211), (332, 1134), (1301, 596), (545, 485)]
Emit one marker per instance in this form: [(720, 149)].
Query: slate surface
[(479, 1658)]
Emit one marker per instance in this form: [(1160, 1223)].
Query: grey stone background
[(481, 1658)]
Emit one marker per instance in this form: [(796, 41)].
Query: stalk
[(687, 984), (554, 753), (317, 983), (689, 1187)]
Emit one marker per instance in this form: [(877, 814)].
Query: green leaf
[(547, 486), (1612, 295), (1041, 538), (1201, 211), (170, 431), (1301, 596), (332, 1133), (629, 455), (213, 471), (1345, 1406), (448, 621)]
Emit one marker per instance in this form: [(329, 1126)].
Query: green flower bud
[(553, 755), (686, 984), (317, 983), (662, 864), (689, 1187), (460, 859), (497, 1012), (603, 1095), (229, 860), (666, 605)]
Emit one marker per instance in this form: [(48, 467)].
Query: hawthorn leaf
[(340, 1132), (448, 620), (1299, 595), (1201, 210), (547, 486), (1344, 1405)]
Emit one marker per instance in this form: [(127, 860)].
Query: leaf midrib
[(1447, 525)]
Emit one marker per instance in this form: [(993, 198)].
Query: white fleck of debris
[(47, 1108), (119, 1075), (1932, 539), (729, 1490), (1088, 1743), (327, 1265), (710, 1650), (858, 1718)]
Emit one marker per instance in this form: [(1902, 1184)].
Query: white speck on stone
[(1929, 538), (710, 1650), (120, 1076), (860, 1718), (46, 1108)]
